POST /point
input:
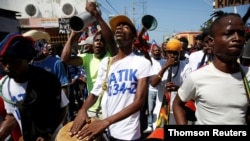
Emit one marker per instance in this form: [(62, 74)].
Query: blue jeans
[(151, 106)]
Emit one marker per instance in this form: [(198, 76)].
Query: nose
[(6, 68), (119, 27), (236, 35), (171, 54)]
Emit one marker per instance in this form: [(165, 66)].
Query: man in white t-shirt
[(127, 87), (204, 56), (218, 88), (157, 64)]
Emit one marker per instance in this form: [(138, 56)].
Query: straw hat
[(37, 35)]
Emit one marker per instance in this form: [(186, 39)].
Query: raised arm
[(106, 31), (66, 56)]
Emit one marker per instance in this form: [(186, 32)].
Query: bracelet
[(159, 76)]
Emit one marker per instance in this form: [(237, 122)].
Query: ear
[(211, 41)]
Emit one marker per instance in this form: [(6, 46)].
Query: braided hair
[(218, 15)]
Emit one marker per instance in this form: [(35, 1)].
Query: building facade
[(51, 16)]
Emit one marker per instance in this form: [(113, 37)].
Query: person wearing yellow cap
[(170, 78)]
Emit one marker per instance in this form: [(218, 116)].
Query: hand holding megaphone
[(91, 7), (82, 21)]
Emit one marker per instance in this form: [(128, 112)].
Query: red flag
[(82, 37), (153, 44), (145, 36)]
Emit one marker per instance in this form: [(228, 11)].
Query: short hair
[(99, 33), (205, 33), (183, 39)]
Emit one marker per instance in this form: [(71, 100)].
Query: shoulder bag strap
[(246, 84), (104, 84)]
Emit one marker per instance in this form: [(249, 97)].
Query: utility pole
[(136, 6), (133, 13), (125, 10)]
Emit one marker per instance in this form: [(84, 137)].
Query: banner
[(229, 3)]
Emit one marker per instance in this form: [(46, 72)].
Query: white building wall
[(45, 8)]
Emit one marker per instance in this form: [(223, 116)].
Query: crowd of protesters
[(128, 86)]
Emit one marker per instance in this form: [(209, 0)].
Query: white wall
[(44, 8)]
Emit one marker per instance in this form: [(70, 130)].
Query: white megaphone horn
[(81, 21)]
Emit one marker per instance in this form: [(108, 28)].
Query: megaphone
[(81, 21), (149, 22)]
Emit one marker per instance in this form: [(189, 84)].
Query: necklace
[(1, 92)]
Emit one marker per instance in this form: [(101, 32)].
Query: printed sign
[(229, 3), (64, 27)]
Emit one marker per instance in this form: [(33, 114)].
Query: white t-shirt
[(195, 59), (122, 83), (220, 97), (14, 91), (155, 68)]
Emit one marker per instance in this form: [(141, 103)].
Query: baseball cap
[(120, 19), (15, 45)]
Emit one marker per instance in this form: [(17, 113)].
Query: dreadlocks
[(219, 15)]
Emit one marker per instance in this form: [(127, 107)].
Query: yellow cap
[(173, 45)]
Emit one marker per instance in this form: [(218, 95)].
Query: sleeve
[(144, 67), (61, 73), (7, 106), (64, 100), (155, 67), (187, 89), (97, 88)]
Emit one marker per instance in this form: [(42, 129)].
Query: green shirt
[(91, 65)]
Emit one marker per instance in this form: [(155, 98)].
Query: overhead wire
[(112, 7)]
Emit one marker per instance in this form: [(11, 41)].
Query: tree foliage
[(206, 24)]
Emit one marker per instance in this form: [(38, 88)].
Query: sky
[(172, 16)]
